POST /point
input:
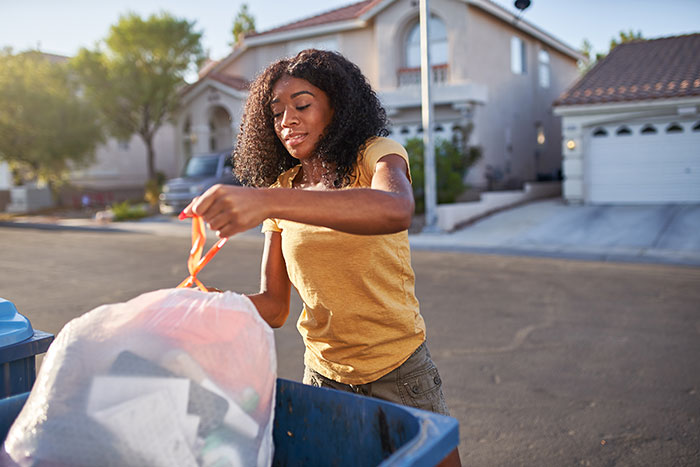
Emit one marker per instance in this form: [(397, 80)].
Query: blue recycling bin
[(317, 426), (19, 345), (320, 427)]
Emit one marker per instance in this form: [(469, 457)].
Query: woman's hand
[(228, 209)]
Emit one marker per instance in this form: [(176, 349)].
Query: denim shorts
[(416, 383)]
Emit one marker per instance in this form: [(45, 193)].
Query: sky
[(63, 27)]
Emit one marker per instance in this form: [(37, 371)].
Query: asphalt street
[(545, 360)]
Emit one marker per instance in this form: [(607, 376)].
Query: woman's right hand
[(229, 209)]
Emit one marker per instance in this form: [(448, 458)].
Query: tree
[(46, 127), (135, 74), (452, 160), (624, 37), (243, 23), (592, 58)]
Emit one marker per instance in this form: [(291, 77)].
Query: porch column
[(572, 164)]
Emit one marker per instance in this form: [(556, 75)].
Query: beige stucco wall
[(505, 107), (124, 165), (506, 126)]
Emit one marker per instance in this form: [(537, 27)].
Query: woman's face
[(301, 113)]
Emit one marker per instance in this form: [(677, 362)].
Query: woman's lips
[(295, 140)]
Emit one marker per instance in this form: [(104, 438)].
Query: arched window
[(599, 132), (674, 128), (623, 131), (438, 44), (648, 130)]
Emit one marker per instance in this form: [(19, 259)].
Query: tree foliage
[(624, 37), (134, 76), (46, 127), (452, 160), (594, 57), (243, 23)]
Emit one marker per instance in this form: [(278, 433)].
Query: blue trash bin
[(317, 426), (19, 345)]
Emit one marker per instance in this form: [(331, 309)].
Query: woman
[(335, 224)]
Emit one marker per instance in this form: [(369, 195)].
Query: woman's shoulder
[(383, 144), (378, 146)]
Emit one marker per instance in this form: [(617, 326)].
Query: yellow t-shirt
[(361, 318)]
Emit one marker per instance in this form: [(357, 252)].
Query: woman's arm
[(272, 301), (386, 207)]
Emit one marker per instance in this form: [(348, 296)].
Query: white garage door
[(657, 162)]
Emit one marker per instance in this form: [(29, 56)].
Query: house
[(631, 126), (490, 69)]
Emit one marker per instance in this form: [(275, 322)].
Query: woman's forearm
[(362, 211)]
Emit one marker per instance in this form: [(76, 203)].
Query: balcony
[(411, 76)]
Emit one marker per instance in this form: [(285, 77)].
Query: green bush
[(452, 160), (125, 211), (153, 189)]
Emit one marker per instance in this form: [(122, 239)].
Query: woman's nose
[(289, 118)]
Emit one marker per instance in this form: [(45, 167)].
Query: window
[(438, 44), (623, 131), (696, 127), (543, 62), (648, 130), (599, 132), (674, 128), (518, 57)]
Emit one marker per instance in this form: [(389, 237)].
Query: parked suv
[(200, 173)]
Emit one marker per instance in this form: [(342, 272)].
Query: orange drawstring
[(195, 262)]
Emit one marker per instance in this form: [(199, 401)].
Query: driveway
[(650, 233)]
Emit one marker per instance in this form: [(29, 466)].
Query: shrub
[(153, 189), (452, 161), (125, 211)]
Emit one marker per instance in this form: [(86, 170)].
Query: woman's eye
[(276, 114), (302, 107)]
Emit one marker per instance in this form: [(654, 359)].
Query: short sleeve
[(270, 225), (380, 147)]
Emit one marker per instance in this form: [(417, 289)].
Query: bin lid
[(14, 327)]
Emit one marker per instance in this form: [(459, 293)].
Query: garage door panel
[(638, 168)]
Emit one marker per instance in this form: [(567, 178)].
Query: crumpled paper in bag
[(175, 377)]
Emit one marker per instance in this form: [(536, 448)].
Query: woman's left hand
[(228, 209)]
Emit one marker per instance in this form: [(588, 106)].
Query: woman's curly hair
[(260, 157)]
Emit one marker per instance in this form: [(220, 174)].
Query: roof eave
[(196, 89), (302, 33), (523, 25), (622, 106)]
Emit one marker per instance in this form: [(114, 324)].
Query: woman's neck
[(312, 175)]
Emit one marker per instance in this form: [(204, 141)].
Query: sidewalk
[(651, 233), (667, 234)]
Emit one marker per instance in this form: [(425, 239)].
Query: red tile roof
[(345, 13), (668, 67)]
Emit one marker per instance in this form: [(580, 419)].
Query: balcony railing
[(411, 76)]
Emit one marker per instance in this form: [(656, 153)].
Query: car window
[(202, 166), (228, 163)]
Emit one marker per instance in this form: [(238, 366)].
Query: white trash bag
[(175, 377)]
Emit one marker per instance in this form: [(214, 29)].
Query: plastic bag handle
[(195, 262)]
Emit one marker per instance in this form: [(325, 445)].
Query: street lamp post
[(426, 77)]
